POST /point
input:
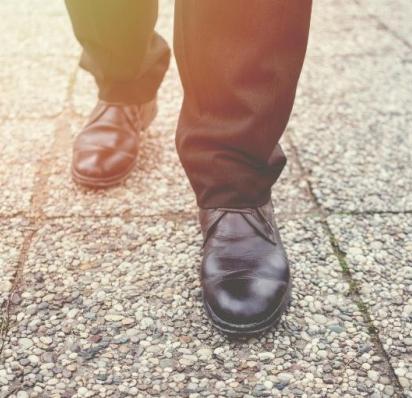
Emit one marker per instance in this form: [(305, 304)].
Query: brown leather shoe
[(105, 152), (245, 272)]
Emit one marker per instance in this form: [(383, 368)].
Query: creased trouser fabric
[(120, 48), (239, 61)]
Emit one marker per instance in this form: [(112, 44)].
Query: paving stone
[(31, 37), (84, 94), (34, 87), (379, 255), (355, 170), (158, 184), (339, 27), (20, 161), (11, 240), (148, 271), (291, 194), (393, 15), (363, 86), (34, 8), (357, 148)]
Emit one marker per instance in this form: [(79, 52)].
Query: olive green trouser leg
[(120, 47)]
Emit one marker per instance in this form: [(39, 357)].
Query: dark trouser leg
[(239, 61), (122, 51)]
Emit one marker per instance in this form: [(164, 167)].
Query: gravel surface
[(11, 239), (382, 265), (19, 164), (100, 316), (99, 291), (356, 149)]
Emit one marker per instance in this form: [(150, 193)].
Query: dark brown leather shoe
[(105, 152), (245, 272)]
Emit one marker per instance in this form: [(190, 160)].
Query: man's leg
[(239, 61), (128, 60)]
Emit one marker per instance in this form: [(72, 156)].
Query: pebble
[(46, 340), (284, 378), (25, 343), (128, 321), (400, 372), (179, 377), (15, 299), (82, 391), (120, 340), (166, 363), (95, 338), (320, 319), (336, 328), (266, 356), (146, 323), (48, 357), (204, 354), (72, 313), (33, 359), (373, 375), (113, 317)]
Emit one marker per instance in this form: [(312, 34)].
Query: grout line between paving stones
[(354, 286), (188, 215), (36, 217), (54, 116), (126, 216), (355, 293), (6, 306), (370, 213), (383, 25)]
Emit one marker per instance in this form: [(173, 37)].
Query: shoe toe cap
[(245, 301), (101, 163)]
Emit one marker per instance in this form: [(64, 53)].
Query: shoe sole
[(149, 112), (248, 330)]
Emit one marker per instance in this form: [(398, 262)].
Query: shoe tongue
[(233, 225), (237, 223), (116, 115)]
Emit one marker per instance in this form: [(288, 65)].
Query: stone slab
[(342, 28), (23, 146), (379, 255), (394, 15), (37, 37), (11, 240), (33, 8), (34, 87), (114, 306), (351, 127)]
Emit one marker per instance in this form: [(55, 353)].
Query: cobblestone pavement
[(99, 292)]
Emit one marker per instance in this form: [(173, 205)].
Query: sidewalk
[(99, 292)]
